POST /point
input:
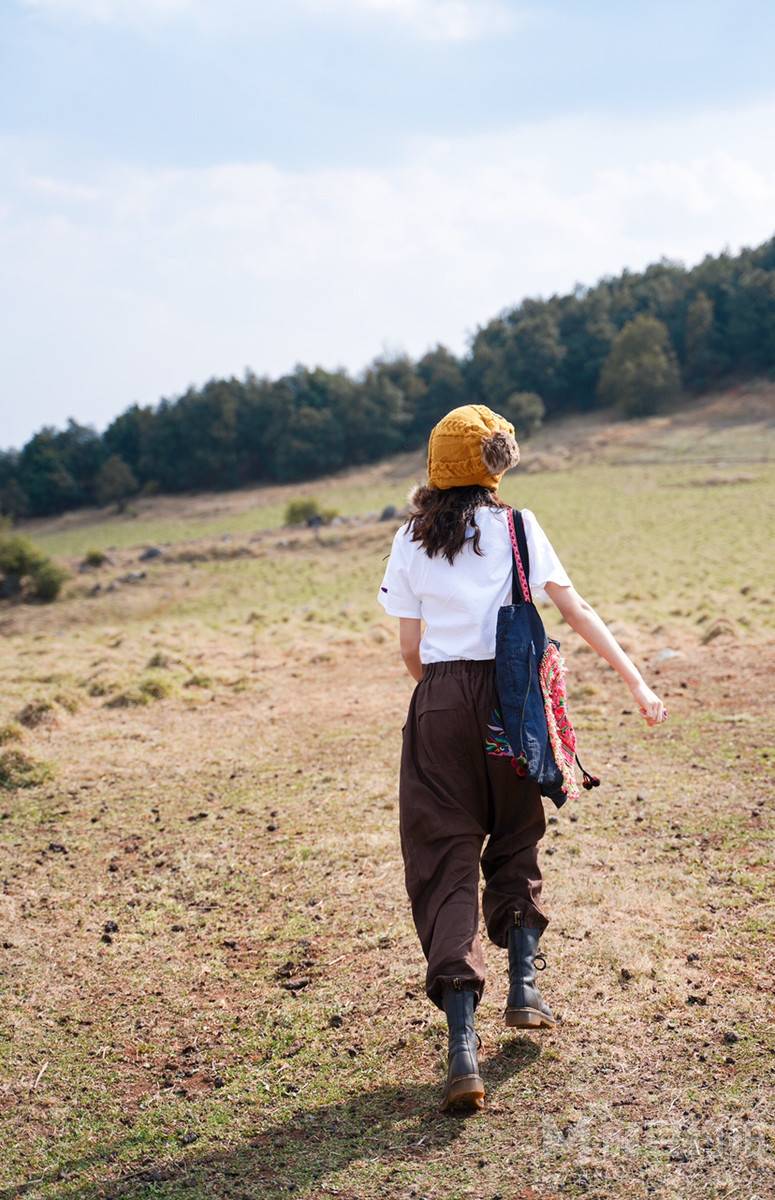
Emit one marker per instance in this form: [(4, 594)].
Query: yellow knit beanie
[(470, 445)]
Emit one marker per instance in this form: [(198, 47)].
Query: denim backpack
[(530, 682)]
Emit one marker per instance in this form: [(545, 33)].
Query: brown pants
[(453, 792)]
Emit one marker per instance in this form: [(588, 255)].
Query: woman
[(450, 565)]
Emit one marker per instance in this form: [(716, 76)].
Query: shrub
[(26, 572), (155, 689), (201, 681), (145, 691), (94, 558), (525, 410), (159, 661), (298, 512), (129, 698), (10, 733), (306, 510), (37, 712), (99, 687), (18, 770), (18, 559), (46, 582)]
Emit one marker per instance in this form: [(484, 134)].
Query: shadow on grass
[(388, 1125)]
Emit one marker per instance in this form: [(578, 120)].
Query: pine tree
[(640, 375), (115, 482), (698, 349)]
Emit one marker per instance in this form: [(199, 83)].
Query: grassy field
[(211, 983)]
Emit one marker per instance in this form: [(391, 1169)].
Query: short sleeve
[(545, 565), (395, 594)]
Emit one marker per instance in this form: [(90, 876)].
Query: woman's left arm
[(582, 617)]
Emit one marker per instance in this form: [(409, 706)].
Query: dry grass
[(212, 984)]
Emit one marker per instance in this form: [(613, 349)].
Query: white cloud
[(434, 20), (108, 12), (59, 189), (131, 283)]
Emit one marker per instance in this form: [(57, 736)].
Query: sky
[(191, 188)]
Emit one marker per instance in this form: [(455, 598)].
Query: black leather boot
[(464, 1087), (525, 1007)]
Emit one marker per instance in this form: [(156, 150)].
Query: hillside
[(212, 986), (726, 427)]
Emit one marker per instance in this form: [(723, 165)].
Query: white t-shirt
[(459, 601)]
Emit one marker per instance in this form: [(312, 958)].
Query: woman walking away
[(451, 566)]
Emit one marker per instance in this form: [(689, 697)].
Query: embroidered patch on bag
[(498, 745), (562, 737)]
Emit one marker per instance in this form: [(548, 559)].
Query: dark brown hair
[(439, 516)]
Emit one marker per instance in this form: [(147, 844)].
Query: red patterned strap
[(517, 557)]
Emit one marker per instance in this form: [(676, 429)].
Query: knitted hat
[(470, 445)]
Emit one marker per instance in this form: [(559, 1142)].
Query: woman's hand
[(649, 703)]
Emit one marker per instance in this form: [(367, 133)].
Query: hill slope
[(212, 984), (733, 426)]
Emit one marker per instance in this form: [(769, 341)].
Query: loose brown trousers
[(452, 794)]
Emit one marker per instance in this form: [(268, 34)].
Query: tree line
[(637, 341)]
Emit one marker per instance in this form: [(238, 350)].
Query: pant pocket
[(444, 734)]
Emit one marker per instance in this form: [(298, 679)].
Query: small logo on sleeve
[(383, 589)]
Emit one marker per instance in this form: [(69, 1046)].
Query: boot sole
[(466, 1092), (527, 1018)]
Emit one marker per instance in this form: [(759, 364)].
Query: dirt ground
[(211, 983)]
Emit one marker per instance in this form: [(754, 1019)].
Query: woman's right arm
[(409, 635), (582, 617)]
